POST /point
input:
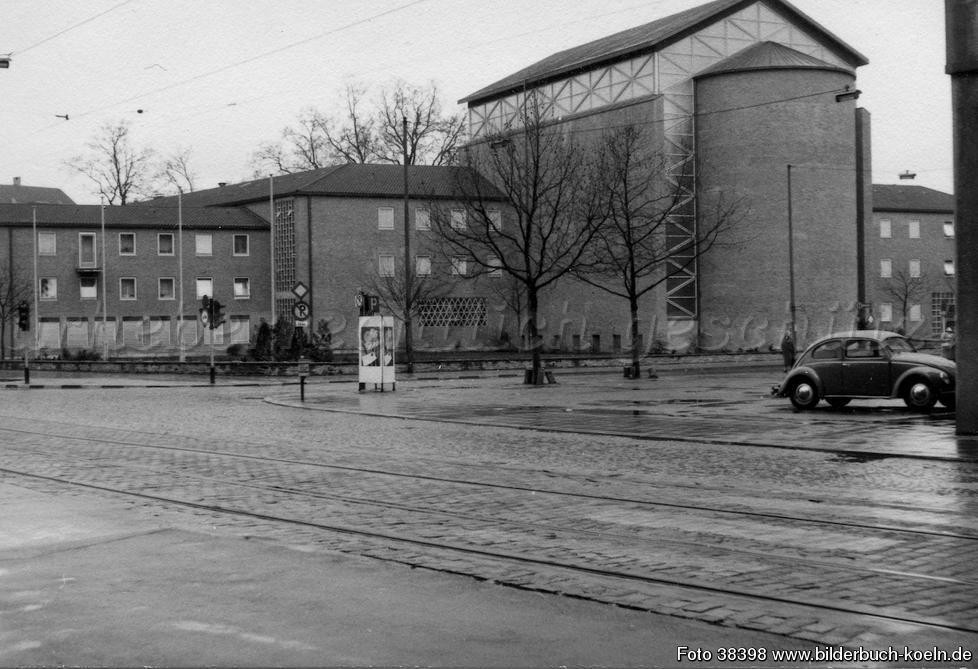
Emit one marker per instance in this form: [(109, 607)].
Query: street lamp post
[(791, 263)]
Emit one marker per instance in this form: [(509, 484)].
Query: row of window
[(47, 245), (166, 288), (422, 266), (422, 219), (886, 268), (913, 229)]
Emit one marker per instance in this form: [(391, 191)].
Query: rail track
[(596, 537)]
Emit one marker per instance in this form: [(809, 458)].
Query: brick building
[(116, 282), (340, 230), (910, 272)]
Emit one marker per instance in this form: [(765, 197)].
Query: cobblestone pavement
[(695, 496)]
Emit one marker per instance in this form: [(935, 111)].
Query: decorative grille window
[(283, 235), (453, 312)]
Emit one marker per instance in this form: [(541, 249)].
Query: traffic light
[(217, 314), (24, 316), (205, 311)]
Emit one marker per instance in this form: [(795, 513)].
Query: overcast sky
[(220, 77)]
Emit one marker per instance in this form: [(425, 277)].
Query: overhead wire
[(244, 61), (71, 27)]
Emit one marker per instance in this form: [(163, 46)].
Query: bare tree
[(353, 137), (432, 137), (404, 297), (904, 289), (15, 287), (119, 170), (305, 147), (175, 171), (540, 177), (641, 242), (362, 133)]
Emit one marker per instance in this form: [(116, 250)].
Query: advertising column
[(376, 344)]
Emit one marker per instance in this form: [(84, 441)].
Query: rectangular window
[(886, 268), (164, 244), (47, 244), (885, 229), (948, 268), (88, 287), (205, 287), (458, 219), (948, 228), (241, 245), (127, 288), (49, 288), (203, 245), (385, 218), (422, 219), (496, 272), (914, 269), (422, 265), (915, 313), (914, 229), (495, 219), (886, 312), (167, 290), (240, 327), (386, 266), (458, 265), (242, 288), (127, 243), (86, 249)]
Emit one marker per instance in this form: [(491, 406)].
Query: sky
[(221, 77)]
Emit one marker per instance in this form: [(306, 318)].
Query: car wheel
[(838, 402), (948, 401), (804, 394), (919, 396)]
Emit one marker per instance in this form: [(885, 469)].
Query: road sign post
[(303, 369)]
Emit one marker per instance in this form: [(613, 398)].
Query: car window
[(830, 350), (862, 348), (899, 345)]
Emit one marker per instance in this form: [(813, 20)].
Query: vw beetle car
[(868, 363)]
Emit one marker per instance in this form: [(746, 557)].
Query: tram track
[(507, 558), (593, 479), (582, 563)]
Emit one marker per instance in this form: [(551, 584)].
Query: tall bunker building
[(757, 101)]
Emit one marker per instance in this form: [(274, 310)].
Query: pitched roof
[(352, 180), (895, 197), (769, 56), (90, 216), (645, 38), (13, 194)]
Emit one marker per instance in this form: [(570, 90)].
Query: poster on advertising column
[(376, 344)]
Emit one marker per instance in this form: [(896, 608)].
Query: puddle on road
[(859, 457)]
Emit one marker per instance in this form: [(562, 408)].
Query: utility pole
[(961, 28), (408, 266)]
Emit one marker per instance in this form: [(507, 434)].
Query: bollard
[(213, 374)]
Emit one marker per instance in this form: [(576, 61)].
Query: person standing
[(947, 342), (788, 351)]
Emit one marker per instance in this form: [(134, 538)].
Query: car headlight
[(945, 378)]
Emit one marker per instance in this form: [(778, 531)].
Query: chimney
[(16, 181), (222, 184)]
